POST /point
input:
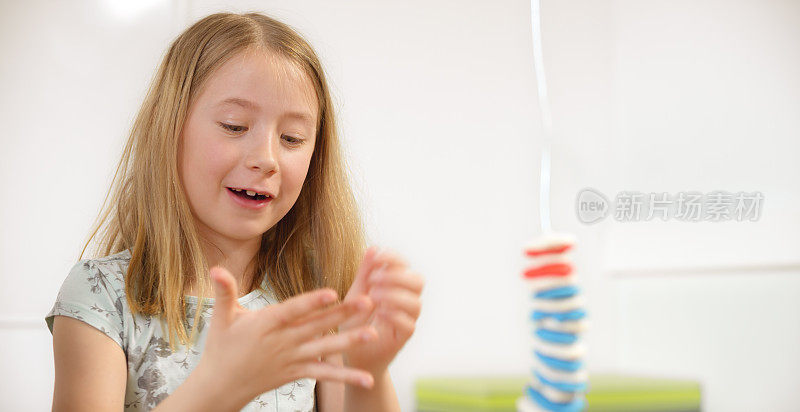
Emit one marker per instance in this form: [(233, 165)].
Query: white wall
[(72, 75), (439, 113), (676, 96)]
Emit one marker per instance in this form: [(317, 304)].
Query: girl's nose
[(264, 156)]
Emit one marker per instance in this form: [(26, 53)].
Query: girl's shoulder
[(108, 270), (113, 266), (93, 291)]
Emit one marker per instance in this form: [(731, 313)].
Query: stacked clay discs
[(558, 377)]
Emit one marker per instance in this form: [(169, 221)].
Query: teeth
[(249, 192)]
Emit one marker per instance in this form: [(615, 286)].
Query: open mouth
[(243, 194)]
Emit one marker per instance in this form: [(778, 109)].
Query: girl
[(232, 181)]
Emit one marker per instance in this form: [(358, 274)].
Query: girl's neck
[(239, 258), (247, 281)]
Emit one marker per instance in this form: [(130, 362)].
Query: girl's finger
[(225, 292), (329, 372), (407, 279), (392, 260), (336, 343), (288, 311), (403, 325), (360, 285), (358, 318), (397, 298), (322, 321)]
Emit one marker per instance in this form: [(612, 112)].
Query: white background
[(438, 109)]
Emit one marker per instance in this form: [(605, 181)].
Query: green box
[(606, 392)]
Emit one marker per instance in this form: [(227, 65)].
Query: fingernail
[(365, 382)]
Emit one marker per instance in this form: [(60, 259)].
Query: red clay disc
[(553, 269), (548, 251)]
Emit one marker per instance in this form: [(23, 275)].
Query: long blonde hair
[(318, 243)]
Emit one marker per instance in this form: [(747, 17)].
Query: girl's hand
[(252, 352), (396, 290)]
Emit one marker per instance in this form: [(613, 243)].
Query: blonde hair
[(149, 214)]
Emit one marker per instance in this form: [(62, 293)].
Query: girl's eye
[(233, 128), (293, 140), (239, 129)]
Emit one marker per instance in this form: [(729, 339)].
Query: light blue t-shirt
[(94, 292)]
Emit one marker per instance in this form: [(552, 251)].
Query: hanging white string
[(547, 122)]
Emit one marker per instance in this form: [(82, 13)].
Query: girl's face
[(252, 126)]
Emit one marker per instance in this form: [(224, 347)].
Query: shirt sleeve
[(88, 295)]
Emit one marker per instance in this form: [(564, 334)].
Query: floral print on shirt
[(94, 292)]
